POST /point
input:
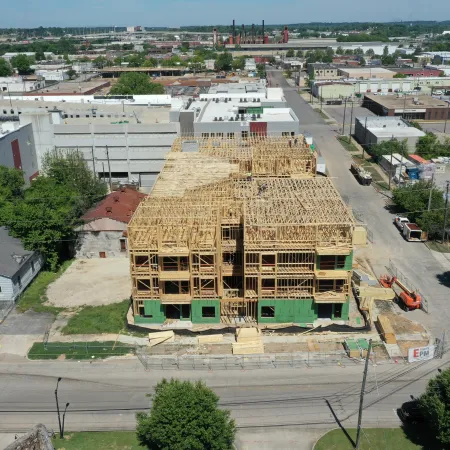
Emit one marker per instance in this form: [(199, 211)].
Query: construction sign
[(421, 353)]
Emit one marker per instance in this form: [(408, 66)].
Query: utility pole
[(321, 98), (361, 399), (351, 123), (365, 137), (390, 168), (446, 116), (64, 419), (431, 192), (109, 168), (57, 408), (446, 211), (343, 122), (93, 160)]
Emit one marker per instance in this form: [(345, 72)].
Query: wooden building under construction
[(241, 230)]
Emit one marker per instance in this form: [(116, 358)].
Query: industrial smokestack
[(234, 32), (252, 38), (243, 34), (263, 32)]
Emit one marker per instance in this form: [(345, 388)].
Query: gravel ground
[(91, 282)]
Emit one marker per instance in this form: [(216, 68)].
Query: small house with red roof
[(103, 234)]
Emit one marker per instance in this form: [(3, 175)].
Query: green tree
[(388, 147), (429, 146), (137, 84), (100, 62), (358, 51), (370, 53), (238, 63), (5, 68), (414, 200), (11, 184), (362, 61), (71, 74), (39, 56), (224, 61), (44, 215), (288, 73), (339, 51), (290, 53), (400, 75), (22, 63), (435, 404), (185, 416), (310, 79), (299, 54)]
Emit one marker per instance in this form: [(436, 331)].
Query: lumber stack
[(160, 337), (386, 330), (210, 338), (378, 293), (249, 342)]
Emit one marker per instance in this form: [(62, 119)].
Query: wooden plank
[(248, 348), (386, 330), (378, 293), (210, 338), (160, 337), (248, 334)]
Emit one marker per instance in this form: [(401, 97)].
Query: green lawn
[(35, 294), (111, 440), (99, 319), (371, 439), (348, 146), (78, 350)]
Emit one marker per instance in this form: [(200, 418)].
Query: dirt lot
[(91, 282)]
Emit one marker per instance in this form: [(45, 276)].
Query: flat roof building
[(366, 73), (255, 109), (372, 130), (408, 106)]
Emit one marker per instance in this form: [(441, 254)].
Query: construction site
[(241, 231)]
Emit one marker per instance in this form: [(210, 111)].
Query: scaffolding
[(239, 220)]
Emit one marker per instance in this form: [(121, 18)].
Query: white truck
[(400, 222), (413, 233)]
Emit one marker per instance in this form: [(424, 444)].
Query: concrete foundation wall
[(90, 244)]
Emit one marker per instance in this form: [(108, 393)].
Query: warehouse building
[(366, 73), (240, 231), (341, 89), (374, 130), (408, 107)]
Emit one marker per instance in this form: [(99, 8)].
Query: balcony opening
[(208, 311), (267, 311)]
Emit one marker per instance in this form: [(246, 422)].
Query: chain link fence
[(248, 362)]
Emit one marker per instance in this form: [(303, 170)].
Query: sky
[(31, 13)]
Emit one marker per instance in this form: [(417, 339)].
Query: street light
[(57, 409)]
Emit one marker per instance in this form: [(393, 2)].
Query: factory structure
[(253, 36), (241, 230)]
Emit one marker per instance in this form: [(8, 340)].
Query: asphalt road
[(106, 396), (415, 260)]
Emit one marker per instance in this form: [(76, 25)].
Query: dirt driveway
[(91, 282)]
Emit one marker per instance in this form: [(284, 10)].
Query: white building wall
[(91, 244), (11, 288), (27, 149)]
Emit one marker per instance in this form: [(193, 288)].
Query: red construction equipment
[(412, 300)]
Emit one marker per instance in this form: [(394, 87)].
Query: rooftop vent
[(231, 119), (215, 119), (258, 116)]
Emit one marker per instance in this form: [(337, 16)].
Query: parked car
[(438, 92)]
